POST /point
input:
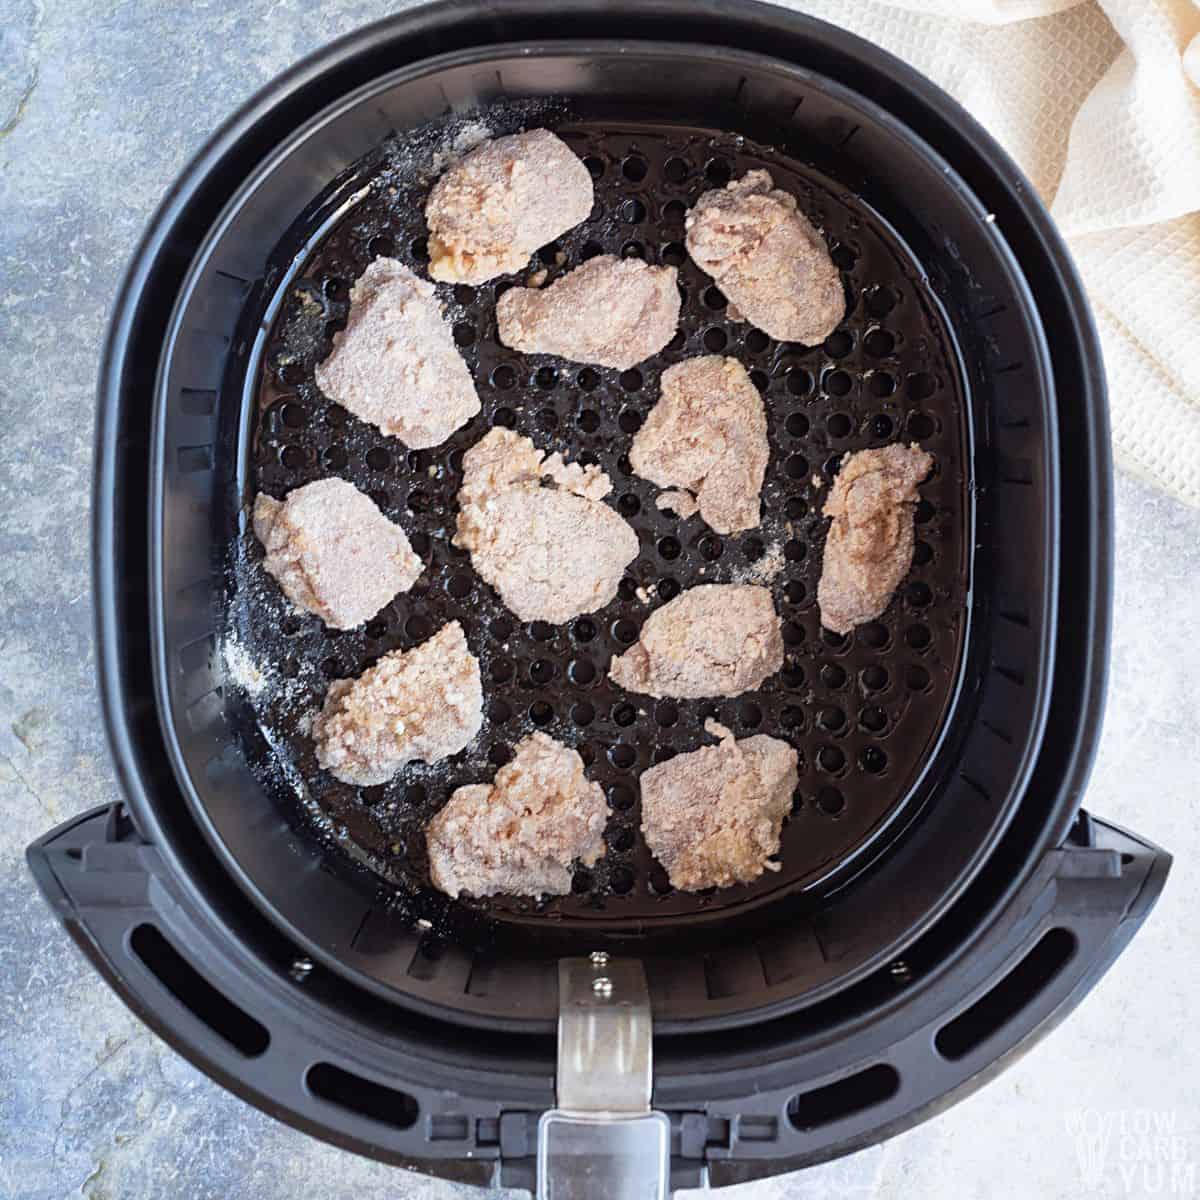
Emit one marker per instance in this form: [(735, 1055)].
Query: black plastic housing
[(995, 951)]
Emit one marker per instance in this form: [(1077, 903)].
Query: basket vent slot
[(837, 1101), (196, 994), (992, 1011), (362, 1096)]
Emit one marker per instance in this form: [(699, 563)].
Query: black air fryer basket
[(943, 899)]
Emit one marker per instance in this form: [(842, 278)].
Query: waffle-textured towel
[(1099, 101)]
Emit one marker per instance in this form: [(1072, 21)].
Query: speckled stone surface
[(100, 105)]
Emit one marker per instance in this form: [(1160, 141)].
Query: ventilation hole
[(797, 425), (633, 250), (541, 713), (882, 427), (582, 671), (796, 466), (366, 1098), (917, 636), (634, 168), (629, 505), (666, 714), (756, 341), (500, 753), (916, 678), (796, 508), (879, 343), (833, 676), (920, 426), (590, 250), (583, 713), (874, 679), (499, 712), (621, 797), (630, 420), (415, 795), (795, 591), (881, 384), (545, 378), (418, 627), (714, 298), (874, 635), (831, 759), (209, 1006), (793, 634), (753, 548), (335, 458), (922, 554), (382, 246), (504, 377), (542, 671), (293, 457), (335, 289), (919, 595), (750, 714), (718, 172), (831, 719), (378, 459), (839, 425), (588, 379), (837, 1101), (668, 589), (624, 714), (923, 513), (621, 880), (674, 212), (293, 416), (835, 641), (622, 756), (595, 166), (711, 547), (872, 760), (791, 717), (584, 630), (715, 340), (921, 385), (581, 882), (502, 629), (675, 170), (673, 255), (621, 840), (669, 548), (795, 551), (793, 675), (837, 383), (799, 381), (998, 1007), (830, 801), (625, 631), (633, 211), (839, 344), (588, 420), (548, 254), (502, 670), (631, 380), (541, 631)]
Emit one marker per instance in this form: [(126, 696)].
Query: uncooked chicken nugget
[(538, 529), (519, 835), (708, 435), (425, 703), (869, 546), (333, 552), (497, 205), (768, 259), (713, 817), (395, 364), (718, 639), (613, 312)]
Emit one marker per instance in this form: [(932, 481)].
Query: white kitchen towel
[(1099, 101)]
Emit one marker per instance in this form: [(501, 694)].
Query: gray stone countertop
[(101, 104)]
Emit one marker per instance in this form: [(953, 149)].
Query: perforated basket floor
[(863, 711)]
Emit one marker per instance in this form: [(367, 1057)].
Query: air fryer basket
[(309, 990), (977, 325)]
